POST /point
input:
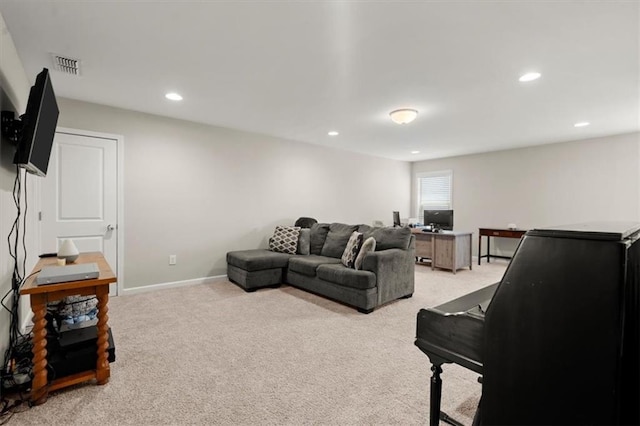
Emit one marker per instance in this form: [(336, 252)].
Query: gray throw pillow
[(368, 246), (319, 233), (304, 241), (351, 250), (337, 239)]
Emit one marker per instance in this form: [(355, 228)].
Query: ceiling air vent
[(66, 65)]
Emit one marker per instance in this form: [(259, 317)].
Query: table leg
[(436, 395), (470, 253), (39, 384), (488, 248), (479, 248), (433, 253), (102, 366)]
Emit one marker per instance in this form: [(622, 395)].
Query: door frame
[(119, 196)]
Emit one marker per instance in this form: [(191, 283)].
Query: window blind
[(434, 191)]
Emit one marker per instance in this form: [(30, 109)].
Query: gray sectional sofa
[(386, 274)]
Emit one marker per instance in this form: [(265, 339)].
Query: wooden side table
[(40, 296), (500, 233)]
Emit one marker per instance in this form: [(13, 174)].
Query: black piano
[(556, 341)]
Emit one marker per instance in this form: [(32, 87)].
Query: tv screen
[(396, 218), (39, 127), (439, 219)]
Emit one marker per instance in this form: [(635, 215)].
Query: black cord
[(17, 357), (24, 228), (29, 276)]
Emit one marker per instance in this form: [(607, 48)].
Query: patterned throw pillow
[(351, 250), (368, 246), (285, 239)]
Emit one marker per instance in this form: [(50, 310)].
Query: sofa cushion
[(319, 233), (307, 265), (257, 260), (340, 274), (285, 239), (304, 241), (337, 239), (249, 280), (368, 246), (365, 229), (388, 238), (352, 249)]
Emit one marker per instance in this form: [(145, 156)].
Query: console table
[(43, 294), (447, 249), (500, 233)]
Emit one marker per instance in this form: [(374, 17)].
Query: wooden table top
[(105, 277), (418, 231)]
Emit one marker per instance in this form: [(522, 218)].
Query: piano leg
[(436, 395)]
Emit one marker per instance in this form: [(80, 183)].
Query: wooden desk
[(447, 249), (40, 296), (500, 233)]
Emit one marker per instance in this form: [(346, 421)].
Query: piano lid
[(607, 231), (469, 303)]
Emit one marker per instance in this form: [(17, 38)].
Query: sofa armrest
[(395, 271)]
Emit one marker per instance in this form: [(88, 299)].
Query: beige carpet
[(213, 354)]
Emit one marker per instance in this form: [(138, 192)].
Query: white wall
[(198, 191), (14, 92), (580, 181)]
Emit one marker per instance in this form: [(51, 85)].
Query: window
[(435, 191)]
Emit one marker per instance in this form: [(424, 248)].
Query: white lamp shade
[(68, 250), (403, 116)]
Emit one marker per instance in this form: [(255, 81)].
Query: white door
[(79, 196)]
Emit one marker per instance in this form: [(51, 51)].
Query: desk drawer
[(424, 247)]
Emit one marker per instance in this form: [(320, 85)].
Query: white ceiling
[(297, 69)]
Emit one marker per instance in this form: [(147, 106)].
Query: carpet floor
[(213, 354)]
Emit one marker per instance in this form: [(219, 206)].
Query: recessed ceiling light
[(415, 152), (530, 76), (173, 96), (581, 124), (333, 133)]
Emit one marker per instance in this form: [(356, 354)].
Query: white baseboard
[(173, 284)]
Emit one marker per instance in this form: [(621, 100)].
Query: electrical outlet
[(172, 259)]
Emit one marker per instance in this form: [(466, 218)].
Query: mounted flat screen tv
[(439, 219), (396, 219), (38, 127)]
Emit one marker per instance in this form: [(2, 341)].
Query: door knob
[(110, 228)]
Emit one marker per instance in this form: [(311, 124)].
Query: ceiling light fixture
[(173, 96), (403, 116), (581, 124), (530, 76), (415, 152), (333, 133)]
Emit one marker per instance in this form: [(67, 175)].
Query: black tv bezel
[(438, 225), (396, 215), (33, 134)]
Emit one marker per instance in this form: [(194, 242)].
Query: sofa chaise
[(317, 265)]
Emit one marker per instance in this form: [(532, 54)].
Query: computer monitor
[(439, 219), (396, 219)]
